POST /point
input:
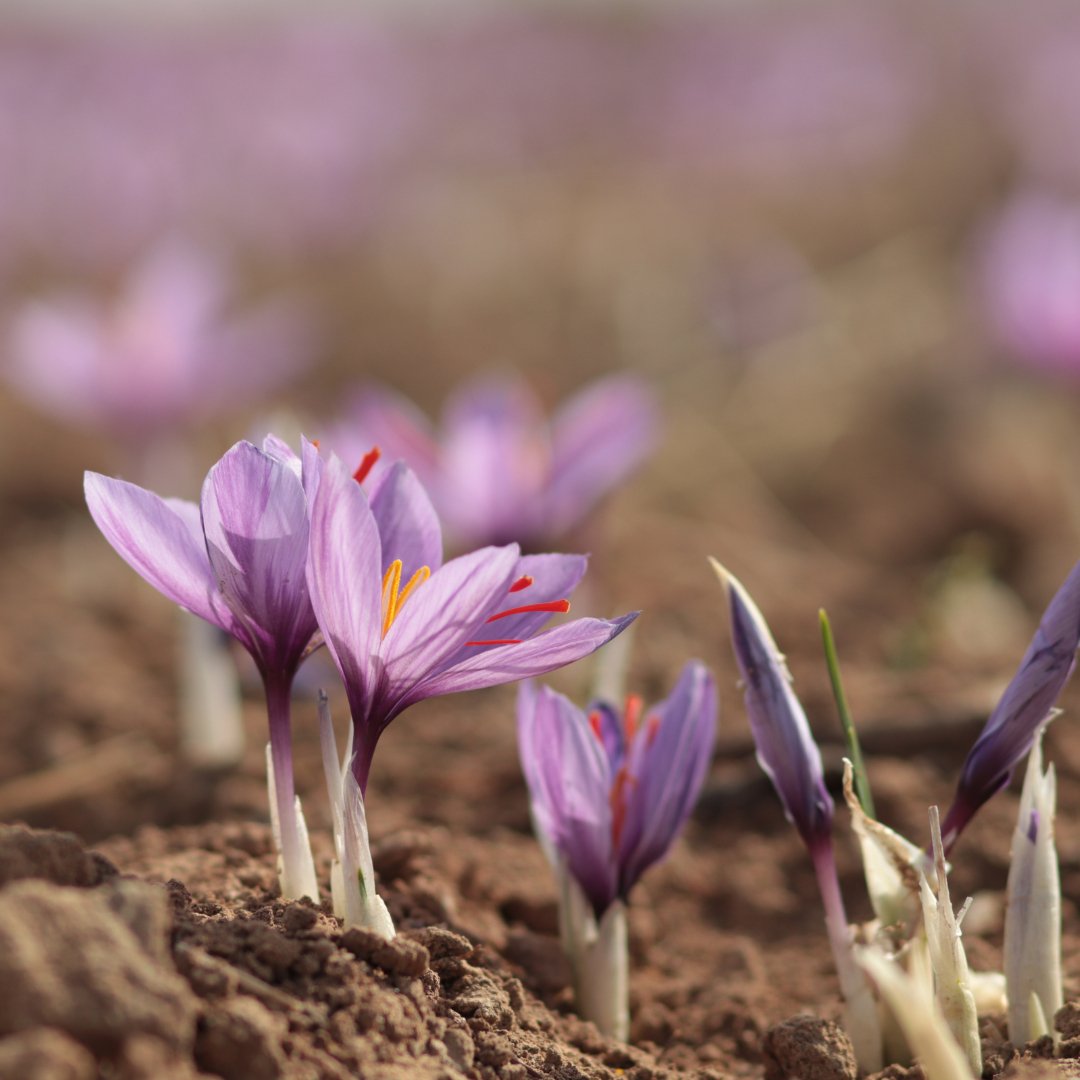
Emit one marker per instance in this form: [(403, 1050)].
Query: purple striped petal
[(255, 518), (786, 749), (444, 613), (598, 439), (408, 525), (569, 780), (162, 541), (345, 583), (1024, 706), (498, 664), (670, 763)]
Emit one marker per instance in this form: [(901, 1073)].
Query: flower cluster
[(285, 552)]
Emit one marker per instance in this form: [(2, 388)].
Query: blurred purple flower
[(498, 471), (1023, 708), (1029, 281), (786, 749), (236, 560), (402, 626), (610, 793), (164, 354)]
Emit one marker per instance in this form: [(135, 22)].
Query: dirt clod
[(808, 1048), (56, 857)]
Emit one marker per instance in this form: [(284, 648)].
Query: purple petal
[(162, 541), (345, 583), (598, 439), (569, 781), (554, 578), (786, 749), (444, 613), (1024, 706), (670, 766), (499, 664), (495, 462), (408, 525), (255, 517)]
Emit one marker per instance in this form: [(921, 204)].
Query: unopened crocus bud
[(787, 752), (1023, 708)]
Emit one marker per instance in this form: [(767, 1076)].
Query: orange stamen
[(631, 715), (394, 596), (522, 582), (315, 443), (366, 464), (497, 641), (560, 606)]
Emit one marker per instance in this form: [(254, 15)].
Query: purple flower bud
[(1024, 706), (610, 792), (785, 747)]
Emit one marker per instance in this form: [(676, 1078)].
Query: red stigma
[(594, 723), (652, 729), (522, 582), (631, 715), (497, 641), (366, 464), (315, 443), (557, 606)]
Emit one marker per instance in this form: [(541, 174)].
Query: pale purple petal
[(408, 525), (494, 665), (345, 582), (162, 541), (598, 439), (1024, 706), (554, 578), (786, 749), (444, 613), (569, 780), (670, 764), (255, 518), (495, 462)]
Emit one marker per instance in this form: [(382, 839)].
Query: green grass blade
[(862, 782)]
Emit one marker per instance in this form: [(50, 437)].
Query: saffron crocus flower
[(236, 560), (402, 626), (165, 354), (498, 471), (609, 794), (789, 756), (1022, 709)]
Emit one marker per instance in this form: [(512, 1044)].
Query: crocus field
[(541, 543)]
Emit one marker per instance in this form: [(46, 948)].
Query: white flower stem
[(860, 1009), (599, 957), (951, 983), (1033, 909), (211, 716), (352, 875)]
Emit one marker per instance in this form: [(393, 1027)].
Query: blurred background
[(840, 241)]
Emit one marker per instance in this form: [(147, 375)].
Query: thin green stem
[(851, 738)]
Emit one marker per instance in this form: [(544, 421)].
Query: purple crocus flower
[(611, 791), (1023, 708), (499, 471), (402, 626), (164, 354), (237, 560)]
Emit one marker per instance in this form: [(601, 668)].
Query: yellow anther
[(394, 596)]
